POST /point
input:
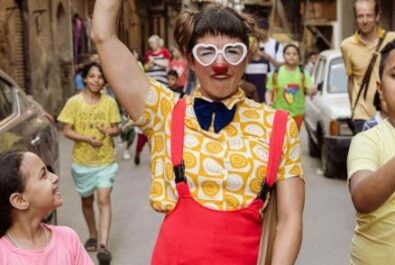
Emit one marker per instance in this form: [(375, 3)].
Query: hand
[(149, 65), (264, 55), (93, 142), (312, 92), (104, 130), (151, 61)]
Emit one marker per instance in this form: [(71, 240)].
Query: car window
[(337, 82), (23, 103), (317, 72), (320, 72), (5, 100)]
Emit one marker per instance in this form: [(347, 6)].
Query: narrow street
[(328, 215)]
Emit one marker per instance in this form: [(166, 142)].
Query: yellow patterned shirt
[(85, 119), (224, 170)]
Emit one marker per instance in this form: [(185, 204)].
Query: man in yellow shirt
[(358, 50), (371, 173)]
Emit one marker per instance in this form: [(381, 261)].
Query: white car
[(328, 114)]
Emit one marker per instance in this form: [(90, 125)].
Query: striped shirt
[(157, 72), (256, 73)]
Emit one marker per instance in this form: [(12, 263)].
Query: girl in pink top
[(28, 192)]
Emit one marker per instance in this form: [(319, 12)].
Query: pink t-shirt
[(64, 248)]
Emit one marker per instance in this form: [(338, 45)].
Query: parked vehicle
[(328, 114), (24, 125)]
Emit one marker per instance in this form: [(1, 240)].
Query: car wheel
[(330, 168), (314, 150)]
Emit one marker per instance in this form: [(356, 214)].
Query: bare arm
[(311, 91), (290, 203), (271, 59), (370, 190), (112, 131), (122, 71), (69, 133), (268, 97)]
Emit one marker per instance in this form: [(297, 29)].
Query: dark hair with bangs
[(214, 19), (85, 70), (11, 181), (385, 52), (286, 47)]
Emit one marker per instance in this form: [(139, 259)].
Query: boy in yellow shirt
[(91, 120), (371, 175)]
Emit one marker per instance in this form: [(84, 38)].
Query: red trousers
[(141, 141), (299, 121), (195, 235)]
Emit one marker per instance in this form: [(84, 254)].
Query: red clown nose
[(220, 68)]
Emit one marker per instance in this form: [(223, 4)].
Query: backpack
[(275, 84), (276, 47)]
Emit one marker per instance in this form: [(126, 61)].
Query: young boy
[(91, 119), (172, 80), (371, 176)]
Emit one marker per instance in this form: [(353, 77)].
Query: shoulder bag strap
[(366, 78), (275, 85), (177, 139)]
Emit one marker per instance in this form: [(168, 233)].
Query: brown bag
[(268, 235), (268, 190)]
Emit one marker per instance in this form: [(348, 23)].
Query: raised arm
[(124, 75), (370, 190)]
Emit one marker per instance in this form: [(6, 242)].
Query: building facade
[(36, 49)]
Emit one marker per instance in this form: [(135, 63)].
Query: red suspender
[(177, 140), (177, 132), (276, 146)]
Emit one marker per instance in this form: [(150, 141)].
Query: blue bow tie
[(204, 112)]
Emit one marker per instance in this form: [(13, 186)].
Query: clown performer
[(224, 147), (287, 86)]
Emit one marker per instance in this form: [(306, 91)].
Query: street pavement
[(328, 216)]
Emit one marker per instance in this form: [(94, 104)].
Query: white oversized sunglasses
[(206, 54)]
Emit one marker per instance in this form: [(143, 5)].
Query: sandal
[(91, 245), (103, 255)]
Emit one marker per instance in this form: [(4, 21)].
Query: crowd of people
[(215, 98)]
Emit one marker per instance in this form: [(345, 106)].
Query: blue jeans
[(357, 126)]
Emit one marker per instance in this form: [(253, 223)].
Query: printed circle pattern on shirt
[(224, 170), (85, 119)]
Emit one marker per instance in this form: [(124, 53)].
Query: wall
[(40, 56), (50, 52)]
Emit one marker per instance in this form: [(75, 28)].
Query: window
[(337, 77), (5, 100), (318, 72)]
